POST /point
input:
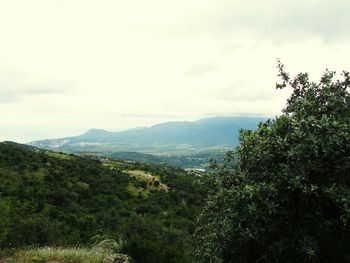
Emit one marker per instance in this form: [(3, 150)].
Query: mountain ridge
[(207, 134)]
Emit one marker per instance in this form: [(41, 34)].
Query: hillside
[(57, 199), (172, 138)]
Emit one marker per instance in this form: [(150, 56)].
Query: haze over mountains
[(170, 138)]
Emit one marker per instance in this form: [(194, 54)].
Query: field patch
[(62, 156), (151, 182)]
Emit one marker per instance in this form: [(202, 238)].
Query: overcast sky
[(70, 65)]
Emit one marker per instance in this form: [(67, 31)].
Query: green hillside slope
[(58, 199)]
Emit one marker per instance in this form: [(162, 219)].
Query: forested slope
[(49, 198)]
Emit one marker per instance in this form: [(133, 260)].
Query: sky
[(70, 65)]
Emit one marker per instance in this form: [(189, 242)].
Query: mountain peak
[(170, 137), (94, 131)]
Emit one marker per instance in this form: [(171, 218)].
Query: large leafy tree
[(285, 196)]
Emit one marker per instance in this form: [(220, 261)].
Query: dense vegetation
[(58, 199), (286, 195)]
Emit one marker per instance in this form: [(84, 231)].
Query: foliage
[(108, 246), (57, 199), (51, 254), (286, 195)]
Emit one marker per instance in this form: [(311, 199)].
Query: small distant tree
[(285, 197)]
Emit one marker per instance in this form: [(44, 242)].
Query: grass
[(55, 255), (134, 191), (59, 155), (142, 175), (147, 177)]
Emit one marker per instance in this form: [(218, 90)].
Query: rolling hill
[(66, 200)]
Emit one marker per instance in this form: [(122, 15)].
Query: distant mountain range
[(171, 138)]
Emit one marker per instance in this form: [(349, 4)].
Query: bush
[(285, 197)]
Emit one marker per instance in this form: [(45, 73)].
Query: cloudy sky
[(70, 65)]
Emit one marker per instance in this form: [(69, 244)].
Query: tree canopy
[(284, 195), (57, 199)]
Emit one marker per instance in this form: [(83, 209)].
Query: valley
[(182, 144)]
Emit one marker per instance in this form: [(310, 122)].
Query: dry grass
[(62, 156), (56, 255), (147, 177)]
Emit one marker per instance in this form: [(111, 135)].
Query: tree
[(284, 196)]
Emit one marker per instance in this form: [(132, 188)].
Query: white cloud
[(198, 70), (115, 64)]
